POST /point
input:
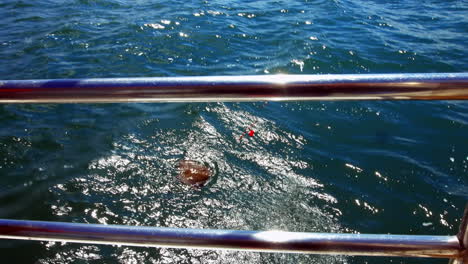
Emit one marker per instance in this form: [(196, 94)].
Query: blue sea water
[(362, 167)]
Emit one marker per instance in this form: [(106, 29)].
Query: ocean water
[(356, 167)]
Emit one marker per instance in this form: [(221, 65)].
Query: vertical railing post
[(463, 239)]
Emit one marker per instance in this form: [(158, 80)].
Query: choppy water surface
[(368, 167)]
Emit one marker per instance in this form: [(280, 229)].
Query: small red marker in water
[(250, 132)]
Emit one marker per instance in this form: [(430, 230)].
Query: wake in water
[(247, 186)]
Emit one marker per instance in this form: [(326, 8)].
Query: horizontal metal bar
[(269, 241), (423, 86)]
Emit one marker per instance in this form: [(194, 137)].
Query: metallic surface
[(463, 239), (463, 233), (269, 241), (424, 86)]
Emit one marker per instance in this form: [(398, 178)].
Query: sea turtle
[(193, 173)]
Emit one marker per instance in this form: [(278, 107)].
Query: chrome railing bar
[(269, 241), (414, 86)]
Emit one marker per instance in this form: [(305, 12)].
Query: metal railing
[(440, 86), (266, 241), (427, 86)]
